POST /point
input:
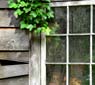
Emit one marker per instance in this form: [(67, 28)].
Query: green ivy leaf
[(22, 4), (47, 30), (18, 12), (27, 10), (13, 5), (23, 25), (34, 14), (39, 29), (18, 0), (30, 27), (50, 14)]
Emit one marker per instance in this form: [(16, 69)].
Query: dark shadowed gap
[(8, 62)]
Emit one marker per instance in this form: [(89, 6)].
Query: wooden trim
[(43, 59), (73, 3), (34, 61)]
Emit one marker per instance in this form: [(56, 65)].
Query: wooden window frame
[(43, 40)]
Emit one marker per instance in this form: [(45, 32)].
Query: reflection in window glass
[(94, 19), (80, 19), (56, 75), (59, 22), (93, 75), (79, 48), (79, 74), (56, 49), (93, 48)]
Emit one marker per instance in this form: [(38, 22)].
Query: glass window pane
[(80, 19), (56, 49), (93, 48), (79, 74), (56, 75), (79, 48), (59, 22), (94, 19), (93, 74)]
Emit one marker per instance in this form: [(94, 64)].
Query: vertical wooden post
[(34, 65)]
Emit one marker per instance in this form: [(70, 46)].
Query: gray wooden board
[(13, 70), (24, 80), (15, 56), (7, 18), (14, 39), (4, 4)]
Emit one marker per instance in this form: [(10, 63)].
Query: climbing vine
[(33, 14)]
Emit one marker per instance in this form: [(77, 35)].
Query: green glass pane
[(55, 75), (56, 49), (79, 19), (79, 48), (79, 75), (60, 20)]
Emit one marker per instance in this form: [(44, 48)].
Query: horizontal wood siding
[(13, 70), (7, 19), (14, 39), (15, 56), (15, 81), (14, 46)]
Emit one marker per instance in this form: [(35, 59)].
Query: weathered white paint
[(91, 43), (73, 3), (67, 52)]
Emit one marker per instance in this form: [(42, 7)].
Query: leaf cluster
[(33, 14)]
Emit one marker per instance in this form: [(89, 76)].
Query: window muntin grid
[(90, 64)]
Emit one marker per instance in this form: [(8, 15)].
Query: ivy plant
[(33, 14)]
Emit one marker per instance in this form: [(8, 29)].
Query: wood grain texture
[(15, 56), (15, 81), (35, 61), (3, 3), (7, 19), (14, 39), (13, 70)]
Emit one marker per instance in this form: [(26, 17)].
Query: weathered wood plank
[(14, 39), (15, 56), (3, 3), (13, 70), (34, 65), (7, 19), (15, 81)]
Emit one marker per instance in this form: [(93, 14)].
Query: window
[(68, 56)]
